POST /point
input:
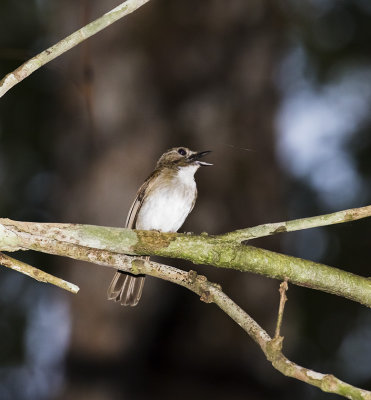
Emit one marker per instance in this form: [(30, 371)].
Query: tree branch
[(212, 293), (272, 348), (258, 231), (67, 43), (283, 298), (69, 239), (103, 246), (35, 273)]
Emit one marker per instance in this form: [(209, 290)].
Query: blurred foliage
[(79, 136)]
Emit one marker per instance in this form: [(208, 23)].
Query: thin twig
[(35, 273), (258, 231), (67, 43), (283, 298)]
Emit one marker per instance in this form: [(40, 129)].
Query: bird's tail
[(126, 288)]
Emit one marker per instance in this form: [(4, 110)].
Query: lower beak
[(197, 156)]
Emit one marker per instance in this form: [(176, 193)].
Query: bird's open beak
[(196, 157)]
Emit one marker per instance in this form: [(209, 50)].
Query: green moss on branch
[(68, 239)]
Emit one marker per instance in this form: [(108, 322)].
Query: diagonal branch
[(258, 231), (212, 293), (272, 348), (67, 43), (35, 273)]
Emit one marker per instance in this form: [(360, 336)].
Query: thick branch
[(258, 231), (46, 237), (201, 249), (66, 44)]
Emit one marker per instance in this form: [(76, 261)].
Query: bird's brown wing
[(125, 287), (137, 203)]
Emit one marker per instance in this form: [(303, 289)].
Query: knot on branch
[(150, 241), (137, 266), (206, 296), (202, 286), (206, 289), (275, 345), (192, 276), (273, 352), (329, 382)]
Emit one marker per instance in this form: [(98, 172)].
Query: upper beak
[(197, 156)]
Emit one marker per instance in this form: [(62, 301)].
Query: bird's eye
[(182, 152)]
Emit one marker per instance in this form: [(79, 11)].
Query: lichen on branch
[(115, 247), (219, 251)]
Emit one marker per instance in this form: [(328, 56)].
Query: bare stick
[(283, 298), (66, 44), (35, 273), (254, 232)]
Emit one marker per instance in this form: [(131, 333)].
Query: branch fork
[(111, 246)]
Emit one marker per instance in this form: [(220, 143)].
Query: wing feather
[(138, 201), (125, 287)]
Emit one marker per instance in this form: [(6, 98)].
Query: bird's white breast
[(169, 203)]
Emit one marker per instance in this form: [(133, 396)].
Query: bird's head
[(182, 157)]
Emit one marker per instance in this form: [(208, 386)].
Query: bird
[(162, 203)]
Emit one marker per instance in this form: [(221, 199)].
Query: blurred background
[(289, 80)]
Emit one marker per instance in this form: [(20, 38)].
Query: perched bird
[(162, 203)]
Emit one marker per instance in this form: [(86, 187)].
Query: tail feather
[(131, 290), (115, 286), (126, 288)]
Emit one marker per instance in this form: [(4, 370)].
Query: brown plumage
[(162, 203), (125, 287)]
